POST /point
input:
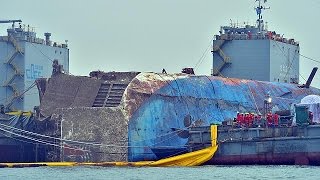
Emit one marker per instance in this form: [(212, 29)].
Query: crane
[(11, 21)]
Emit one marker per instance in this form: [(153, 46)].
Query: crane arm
[(10, 21)]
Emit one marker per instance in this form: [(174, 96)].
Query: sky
[(148, 35)]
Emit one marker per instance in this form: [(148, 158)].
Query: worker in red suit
[(238, 118), (242, 122), (246, 119), (251, 119), (258, 119), (276, 119), (269, 119)]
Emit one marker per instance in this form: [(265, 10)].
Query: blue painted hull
[(159, 104)]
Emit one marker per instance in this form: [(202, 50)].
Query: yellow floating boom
[(195, 158)]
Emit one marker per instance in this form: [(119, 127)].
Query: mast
[(259, 13)]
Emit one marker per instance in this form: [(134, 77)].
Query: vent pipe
[(47, 35), (311, 76), (313, 72)]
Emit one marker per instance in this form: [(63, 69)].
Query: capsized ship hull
[(155, 111), (161, 106)]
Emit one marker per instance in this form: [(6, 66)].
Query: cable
[(29, 142), (214, 91), (277, 43), (40, 141), (48, 58), (291, 63), (204, 55), (221, 75), (172, 89), (42, 53), (80, 142), (32, 133), (309, 58), (255, 103), (185, 99), (13, 99), (65, 140), (15, 84)]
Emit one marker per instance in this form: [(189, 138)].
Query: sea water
[(177, 173)]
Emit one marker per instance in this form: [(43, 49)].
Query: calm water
[(195, 173)]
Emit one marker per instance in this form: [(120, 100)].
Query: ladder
[(9, 60), (225, 59)]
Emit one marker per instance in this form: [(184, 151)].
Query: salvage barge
[(265, 146)]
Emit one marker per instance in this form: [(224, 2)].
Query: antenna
[(259, 12)]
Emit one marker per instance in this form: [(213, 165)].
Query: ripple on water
[(177, 173)]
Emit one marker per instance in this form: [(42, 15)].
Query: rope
[(48, 58), (13, 99), (277, 43), (178, 91), (52, 144), (54, 138), (290, 64), (234, 83), (255, 103), (33, 84), (87, 143), (309, 58), (203, 56), (40, 141), (185, 99)]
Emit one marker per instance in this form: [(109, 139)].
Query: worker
[(269, 119), (276, 119), (234, 122), (251, 119), (259, 120), (310, 117), (164, 71), (2, 109), (246, 119), (249, 35), (238, 118), (241, 119)]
